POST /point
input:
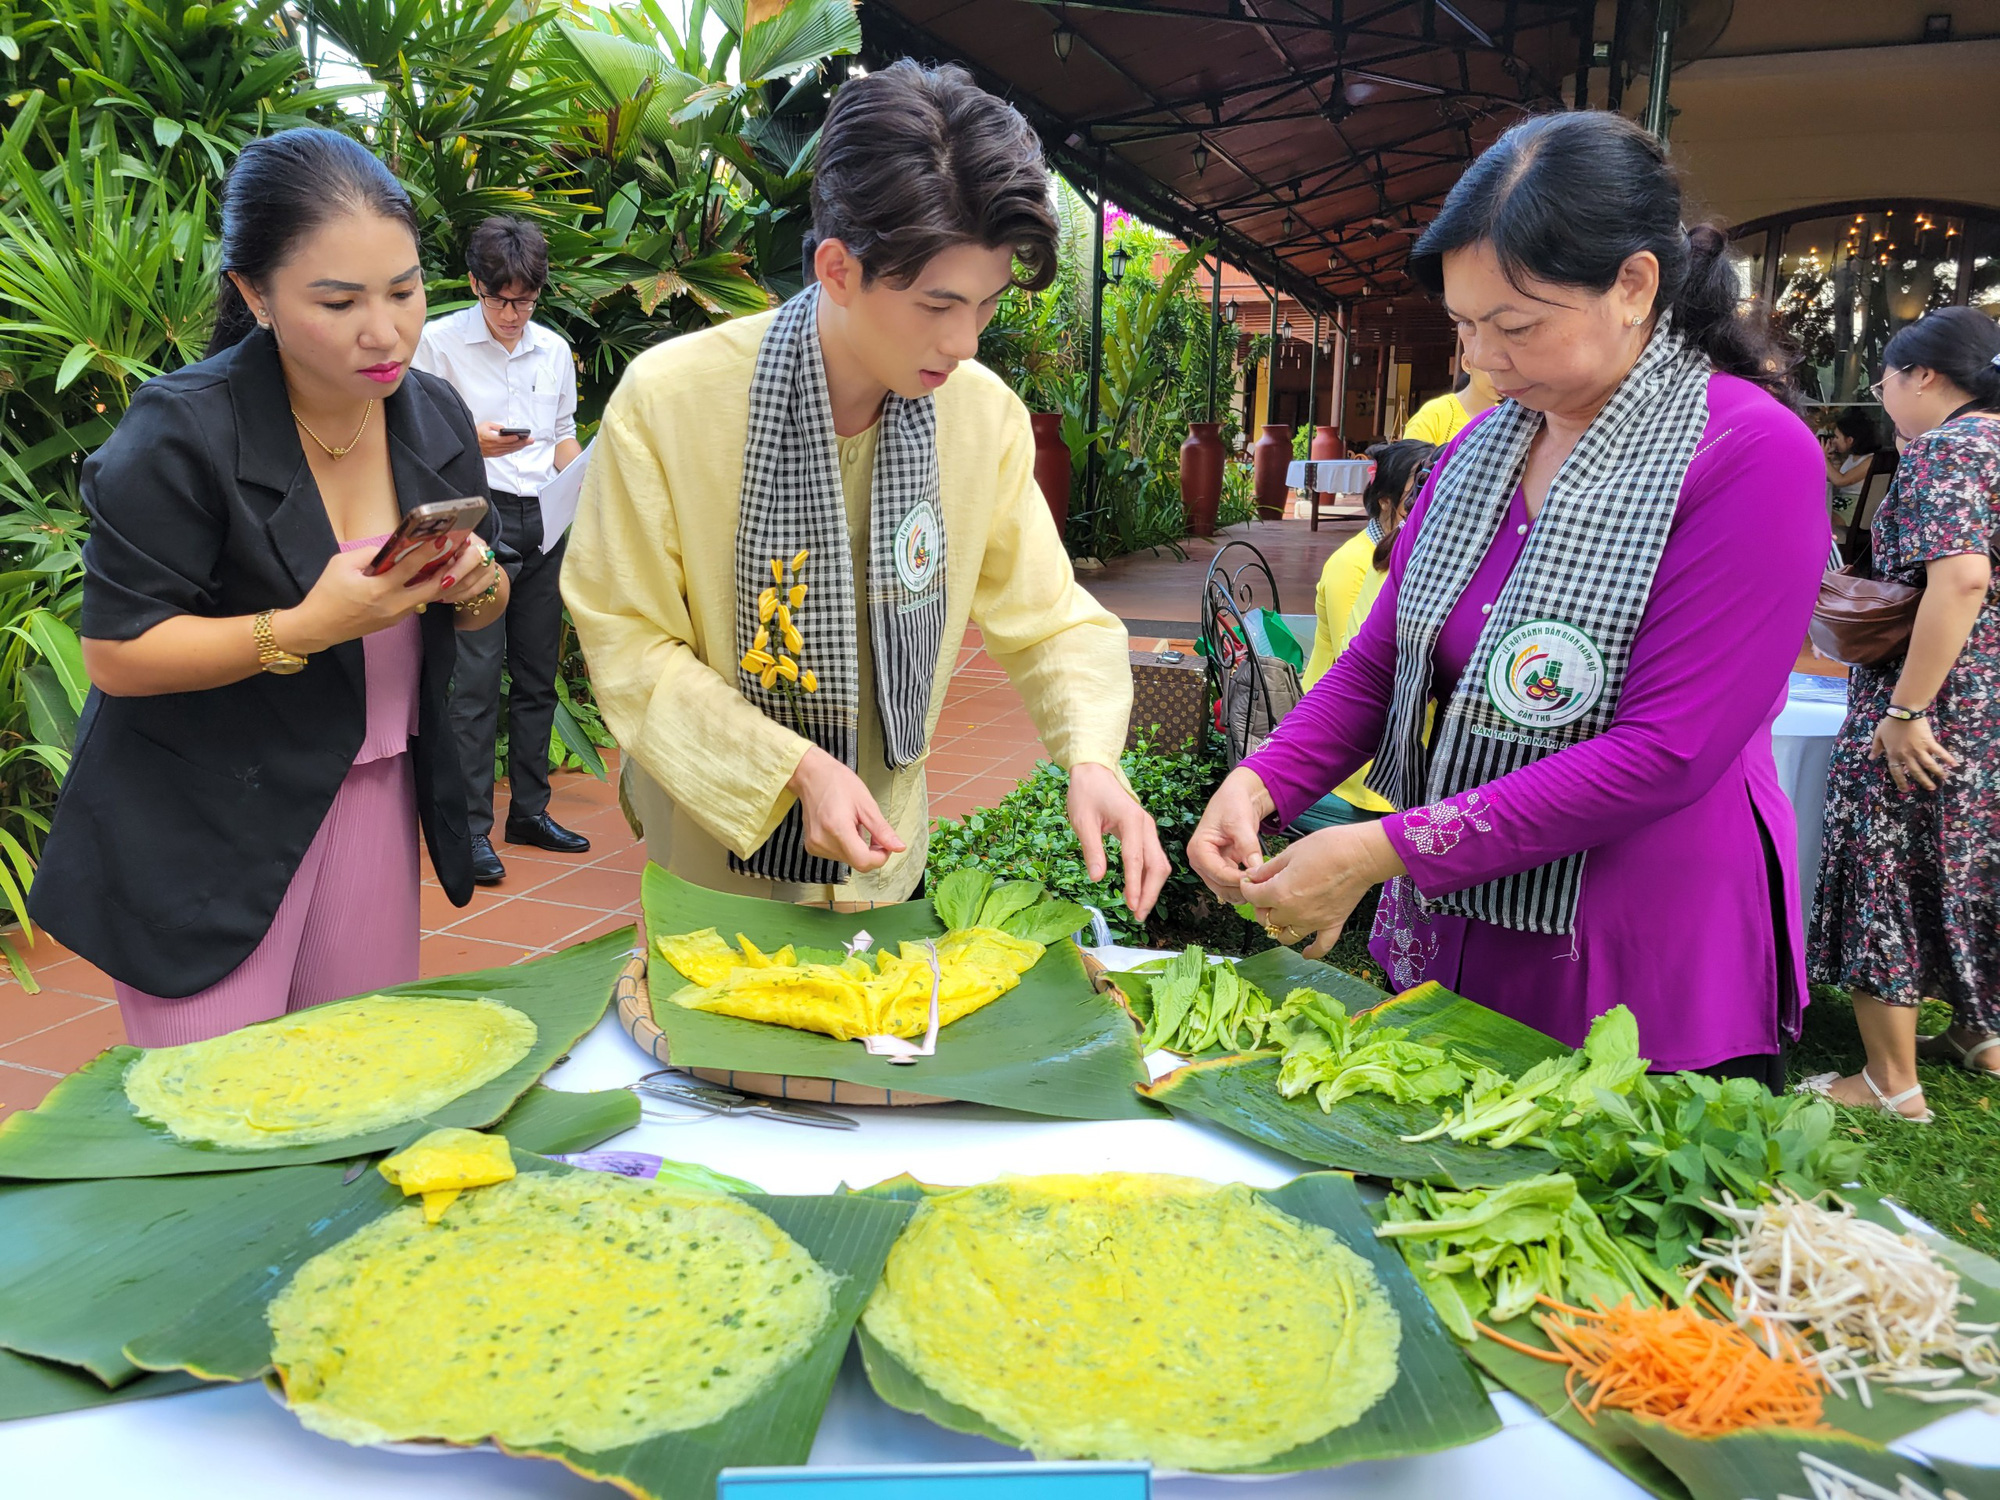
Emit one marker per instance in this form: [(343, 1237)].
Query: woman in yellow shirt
[(1438, 420), (1348, 585)]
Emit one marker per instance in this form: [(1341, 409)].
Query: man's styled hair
[(915, 160), (504, 252)]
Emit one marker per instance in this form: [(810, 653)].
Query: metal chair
[(1230, 590)]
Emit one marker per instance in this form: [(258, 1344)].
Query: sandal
[(1941, 1048), (1890, 1104)]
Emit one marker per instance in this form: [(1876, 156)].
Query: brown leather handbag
[(1863, 621)]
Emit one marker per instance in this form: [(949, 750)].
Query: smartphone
[(519, 432), (421, 527)]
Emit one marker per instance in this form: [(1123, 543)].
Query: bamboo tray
[(635, 1014)]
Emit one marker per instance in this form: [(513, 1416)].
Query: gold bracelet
[(478, 602), (271, 657)]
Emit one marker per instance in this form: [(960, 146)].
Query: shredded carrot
[(1519, 1347), (1698, 1374)]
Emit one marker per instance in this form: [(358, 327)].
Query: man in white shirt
[(519, 380)]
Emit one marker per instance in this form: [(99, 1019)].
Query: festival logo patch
[(917, 548), (1545, 674)]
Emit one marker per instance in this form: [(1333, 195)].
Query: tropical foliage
[(667, 157), (1153, 378)]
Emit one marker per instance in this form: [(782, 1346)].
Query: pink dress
[(348, 922), (1689, 911)]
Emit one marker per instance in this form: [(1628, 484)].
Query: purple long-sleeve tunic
[(1689, 910)]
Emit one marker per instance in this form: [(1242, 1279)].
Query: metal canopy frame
[(1221, 119)]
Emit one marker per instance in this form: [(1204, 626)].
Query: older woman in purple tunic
[(1602, 588)]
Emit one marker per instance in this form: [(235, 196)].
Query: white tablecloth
[(1801, 744), (234, 1443)]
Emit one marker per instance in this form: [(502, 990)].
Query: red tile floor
[(985, 745)]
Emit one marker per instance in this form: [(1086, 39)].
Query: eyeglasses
[(1875, 390), (511, 304)]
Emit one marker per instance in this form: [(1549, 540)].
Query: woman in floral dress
[(1909, 895)]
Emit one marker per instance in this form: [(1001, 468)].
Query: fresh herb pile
[(1336, 1056), (1194, 1006), (1486, 1255), (1657, 1162), (1019, 908), (1500, 1111)]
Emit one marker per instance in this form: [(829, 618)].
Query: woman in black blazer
[(267, 727)]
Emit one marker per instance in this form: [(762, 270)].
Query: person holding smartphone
[(791, 518), (267, 729), (519, 379)]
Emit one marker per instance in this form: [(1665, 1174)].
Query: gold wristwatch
[(271, 657)]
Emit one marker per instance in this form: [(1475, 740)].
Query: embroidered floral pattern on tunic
[(1438, 828), (1398, 915)]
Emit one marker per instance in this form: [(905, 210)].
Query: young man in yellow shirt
[(790, 519)]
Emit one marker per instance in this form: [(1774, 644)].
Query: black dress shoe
[(544, 832), (486, 866)]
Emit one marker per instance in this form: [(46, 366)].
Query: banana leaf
[(226, 1337), (1632, 1447), (86, 1126), (90, 1267), (1438, 1402), (1364, 1133), (41, 1388), (1763, 1464), (1050, 1046)]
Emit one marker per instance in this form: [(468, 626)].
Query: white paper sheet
[(559, 499)]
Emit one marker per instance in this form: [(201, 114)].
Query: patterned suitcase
[(1169, 698)]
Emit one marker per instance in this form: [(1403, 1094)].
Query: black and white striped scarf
[(1550, 664), (792, 502)]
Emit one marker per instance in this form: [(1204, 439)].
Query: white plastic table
[(235, 1443), (1802, 743)]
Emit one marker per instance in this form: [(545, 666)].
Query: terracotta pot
[(1052, 463), (1268, 462), (1326, 443), (1202, 458)]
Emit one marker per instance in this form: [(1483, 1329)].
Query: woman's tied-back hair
[(1569, 198), (283, 188), (915, 160), (1394, 464), (1961, 343)]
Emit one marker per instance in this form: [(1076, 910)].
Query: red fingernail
[(438, 545), (447, 583)]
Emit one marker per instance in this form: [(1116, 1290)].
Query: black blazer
[(185, 816)]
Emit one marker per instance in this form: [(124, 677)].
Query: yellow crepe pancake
[(330, 1072), (976, 966), (445, 1163), (1131, 1316), (586, 1309)]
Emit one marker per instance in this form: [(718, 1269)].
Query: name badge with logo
[(917, 549), (1545, 674)]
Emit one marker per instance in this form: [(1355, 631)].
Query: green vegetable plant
[(1019, 908)]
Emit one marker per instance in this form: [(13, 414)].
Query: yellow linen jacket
[(650, 580)]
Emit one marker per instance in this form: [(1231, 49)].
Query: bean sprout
[(1831, 1482), (1880, 1303)]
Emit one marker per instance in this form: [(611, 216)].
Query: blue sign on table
[(1002, 1481)]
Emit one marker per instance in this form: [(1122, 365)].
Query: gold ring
[(1274, 932)]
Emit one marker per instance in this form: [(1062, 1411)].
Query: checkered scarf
[(1588, 563), (792, 502)]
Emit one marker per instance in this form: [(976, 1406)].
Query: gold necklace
[(331, 451)]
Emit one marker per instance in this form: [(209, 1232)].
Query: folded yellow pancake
[(330, 1072), (1132, 1316), (705, 958), (586, 1309), (445, 1163), (976, 966)]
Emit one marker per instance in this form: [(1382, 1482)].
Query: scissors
[(715, 1099)]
